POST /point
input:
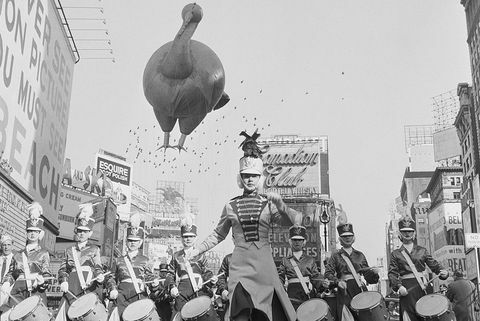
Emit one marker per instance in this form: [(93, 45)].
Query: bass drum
[(199, 309), (369, 306), (87, 308), (30, 309), (434, 307), (314, 310), (141, 310)]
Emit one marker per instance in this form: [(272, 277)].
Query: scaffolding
[(445, 110), (418, 135)]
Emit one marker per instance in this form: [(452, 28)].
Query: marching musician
[(29, 267), (299, 269), (132, 271), (344, 268), (222, 286), (161, 296), (407, 265), (189, 274), (81, 270)]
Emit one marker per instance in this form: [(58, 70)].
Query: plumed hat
[(251, 162), (343, 228), (297, 232), (187, 228), (135, 231), (34, 221), (84, 220)]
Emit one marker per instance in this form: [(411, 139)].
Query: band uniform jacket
[(222, 283), (122, 280), (399, 266), (38, 262), (91, 265), (180, 276), (308, 268)]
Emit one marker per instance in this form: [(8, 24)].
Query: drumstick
[(428, 281), (95, 279), (210, 280), (74, 296), (13, 298)]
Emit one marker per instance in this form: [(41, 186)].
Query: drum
[(369, 306), (198, 309), (30, 309), (87, 308), (434, 307), (140, 310), (314, 310)]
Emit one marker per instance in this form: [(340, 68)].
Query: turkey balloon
[(184, 80)]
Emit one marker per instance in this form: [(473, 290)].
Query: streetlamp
[(325, 219)]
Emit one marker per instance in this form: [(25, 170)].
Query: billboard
[(35, 90), (117, 181), (140, 197), (296, 165)]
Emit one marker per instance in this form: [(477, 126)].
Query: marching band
[(249, 286)]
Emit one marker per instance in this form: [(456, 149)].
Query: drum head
[(432, 305), (138, 310), (312, 310), (25, 307), (366, 300), (196, 307), (82, 306)]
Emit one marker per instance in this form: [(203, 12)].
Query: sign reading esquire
[(36, 70)]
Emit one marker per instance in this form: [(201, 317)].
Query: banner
[(36, 68)]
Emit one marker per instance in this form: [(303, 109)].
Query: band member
[(30, 266), (344, 268), (161, 296), (132, 271), (81, 271), (255, 291), (6, 259), (222, 286), (189, 274), (461, 292), (407, 264), (299, 269)]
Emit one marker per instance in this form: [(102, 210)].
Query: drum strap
[(26, 270), (352, 270), (300, 276), (128, 263), (78, 267), (414, 270), (188, 267)]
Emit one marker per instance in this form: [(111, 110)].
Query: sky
[(355, 71)]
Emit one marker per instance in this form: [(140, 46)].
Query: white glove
[(100, 278), (113, 294), (275, 199), (342, 285), (155, 282), (225, 295), (443, 274), (5, 287), (64, 287), (39, 279), (402, 291), (174, 292), (214, 279)]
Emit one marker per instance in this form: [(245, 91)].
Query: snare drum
[(87, 308), (30, 309), (314, 310), (198, 309), (143, 309), (369, 306), (434, 307)]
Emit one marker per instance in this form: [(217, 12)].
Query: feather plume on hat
[(341, 216), (135, 219), (86, 211), (187, 227), (35, 210)]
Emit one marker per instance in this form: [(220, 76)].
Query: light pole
[(325, 219)]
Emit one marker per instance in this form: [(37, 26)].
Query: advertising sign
[(446, 225), (35, 90), (451, 257), (472, 240), (116, 182), (140, 197), (292, 165)]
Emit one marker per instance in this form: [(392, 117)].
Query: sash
[(352, 270), (414, 270), (300, 276), (132, 273), (78, 267), (26, 271), (188, 267)]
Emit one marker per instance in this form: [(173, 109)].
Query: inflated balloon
[(184, 79)]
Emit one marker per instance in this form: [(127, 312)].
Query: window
[(456, 195)]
